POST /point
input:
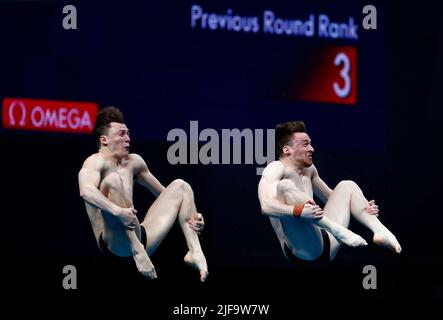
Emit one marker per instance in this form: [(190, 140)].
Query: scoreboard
[(224, 64)]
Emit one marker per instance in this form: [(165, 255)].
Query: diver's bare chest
[(125, 172), (301, 181)]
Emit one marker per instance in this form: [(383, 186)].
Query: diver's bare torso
[(126, 170), (301, 236)]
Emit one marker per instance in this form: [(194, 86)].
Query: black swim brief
[(323, 260), (108, 253)]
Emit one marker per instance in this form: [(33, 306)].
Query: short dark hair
[(284, 132), (104, 117)]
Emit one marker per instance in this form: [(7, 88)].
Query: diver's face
[(301, 149), (117, 140)]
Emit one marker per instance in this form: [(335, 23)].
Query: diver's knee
[(347, 184), (181, 184)]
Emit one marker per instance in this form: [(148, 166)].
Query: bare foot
[(387, 239), (198, 261), (144, 264), (345, 236)]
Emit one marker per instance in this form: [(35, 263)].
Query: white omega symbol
[(11, 113)]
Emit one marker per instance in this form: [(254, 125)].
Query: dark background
[(145, 59)]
